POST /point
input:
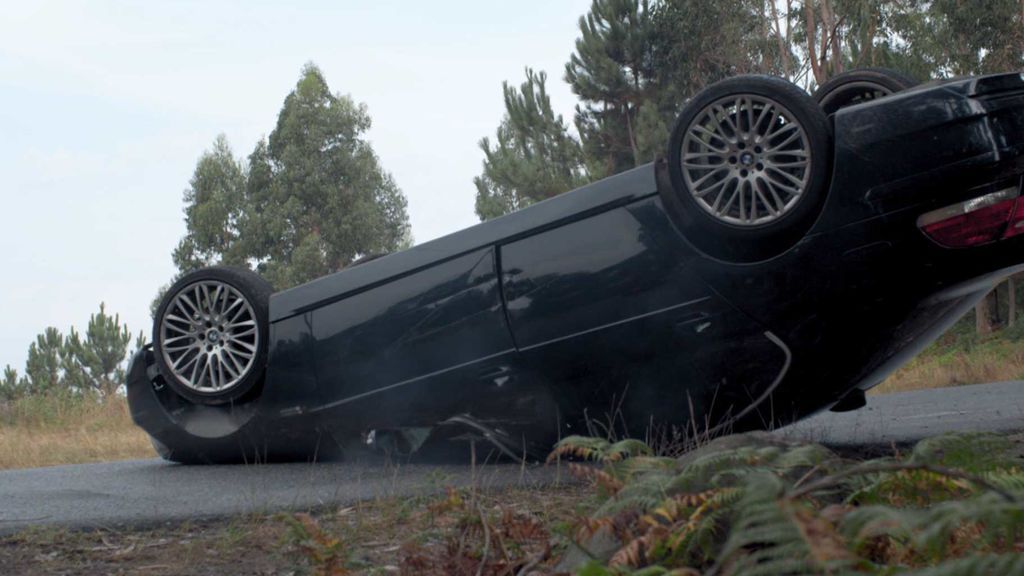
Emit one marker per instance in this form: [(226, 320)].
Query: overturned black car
[(785, 255)]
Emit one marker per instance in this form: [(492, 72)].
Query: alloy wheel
[(209, 336), (746, 160)]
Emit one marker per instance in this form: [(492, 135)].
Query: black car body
[(605, 299)]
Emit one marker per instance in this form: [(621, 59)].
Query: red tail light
[(983, 220)]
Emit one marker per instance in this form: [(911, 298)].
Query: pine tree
[(96, 361), (613, 71), (11, 387), (533, 157), (76, 364), (44, 363)]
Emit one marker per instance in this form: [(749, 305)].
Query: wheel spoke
[(178, 329), (770, 169), (177, 318), (706, 177), (715, 135), (797, 164)]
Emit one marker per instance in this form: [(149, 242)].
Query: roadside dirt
[(392, 536)]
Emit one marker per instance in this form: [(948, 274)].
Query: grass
[(62, 429), (962, 357)]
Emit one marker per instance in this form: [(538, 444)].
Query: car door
[(610, 302), (399, 336), (608, 270)]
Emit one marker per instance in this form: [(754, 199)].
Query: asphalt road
[(148, 492), (906, 417)]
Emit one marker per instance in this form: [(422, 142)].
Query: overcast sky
[(106, 106)]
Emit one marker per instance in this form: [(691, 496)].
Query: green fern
[(991, 520), (599, 449), (775, 510), (975, 453), (773, 536), (979, 565)]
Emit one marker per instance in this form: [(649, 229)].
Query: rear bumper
[(925, 147)]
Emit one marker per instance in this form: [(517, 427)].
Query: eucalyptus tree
[(308, 201)]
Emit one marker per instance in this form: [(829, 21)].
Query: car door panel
[(410, 329)]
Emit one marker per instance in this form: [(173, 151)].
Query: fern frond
[(630, 447), (975, 452), (582, 447), (598, 449), (1009, 479), (1002, 521), (979, 565), (605, 481), (984, 523), (773, 535), (639, 494)]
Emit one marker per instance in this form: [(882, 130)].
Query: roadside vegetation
[(67, 406), (972, 351), (739, 505), (46, 430)]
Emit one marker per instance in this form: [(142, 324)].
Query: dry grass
[(50, 430), (958, 363)]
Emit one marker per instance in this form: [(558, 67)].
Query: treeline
[(76, 363), (637, 62)]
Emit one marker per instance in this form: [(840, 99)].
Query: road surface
[(906, 417), (148, 492)]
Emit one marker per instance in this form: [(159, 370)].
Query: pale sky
[(105, 107)]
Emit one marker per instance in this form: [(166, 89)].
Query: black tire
[(779, 212), (859, 86), (236, 346)]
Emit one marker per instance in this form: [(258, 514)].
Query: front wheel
[(749, 160), (210, 335)]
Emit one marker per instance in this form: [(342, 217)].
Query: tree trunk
[(783, 40), (1011, 302), (810, 22), (983, 314)]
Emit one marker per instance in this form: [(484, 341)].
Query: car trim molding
[(362, 395), (616, 323)]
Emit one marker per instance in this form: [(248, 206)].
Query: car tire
[(749, 161), (210, 334), (859, 86)]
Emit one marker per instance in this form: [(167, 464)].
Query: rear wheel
[(211, 334), (749, 161), (860, 86)]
